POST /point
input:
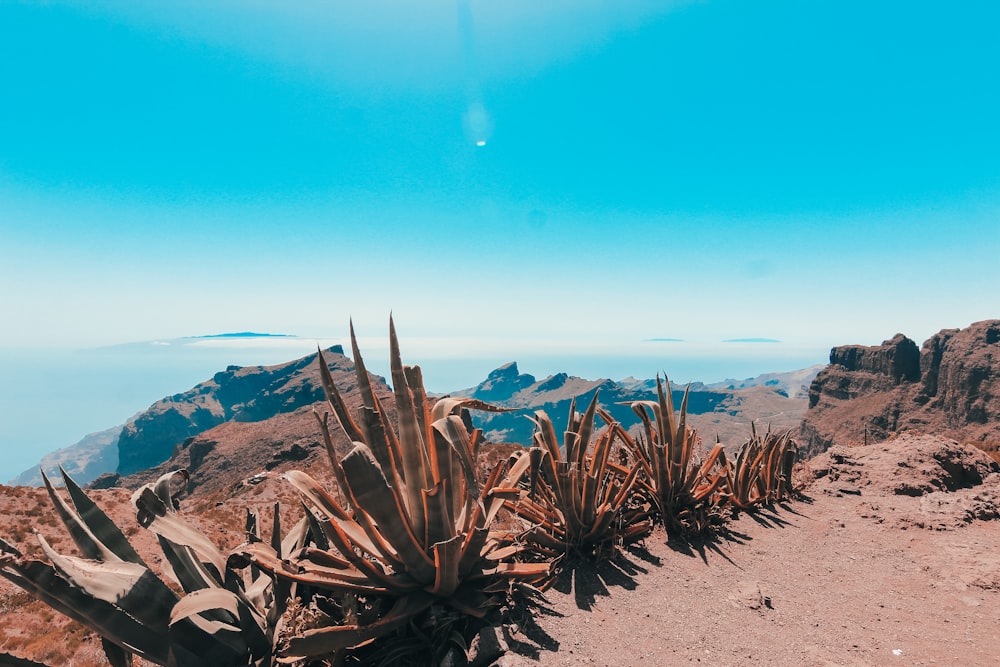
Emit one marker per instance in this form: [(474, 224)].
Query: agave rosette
[(686, 491), (110, 589), (579, 499), (412, 527), (763, 469)]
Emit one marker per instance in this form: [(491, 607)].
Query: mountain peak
[(553, 382), (501, 384)]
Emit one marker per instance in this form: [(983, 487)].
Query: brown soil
[(812, 583), (879, 563), (851, 574)]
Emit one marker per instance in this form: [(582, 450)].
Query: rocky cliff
[(247, 422), (91, 457), (950, 386), (718, 411), (239, 394)]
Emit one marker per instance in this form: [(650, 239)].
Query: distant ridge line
[(242, 334)]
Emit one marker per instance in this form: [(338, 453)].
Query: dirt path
[(893, 558), (816, 582)]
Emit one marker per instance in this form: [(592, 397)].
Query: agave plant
[(763, 469), (687, 492), (411, 530), (222, 619), (579, 499)]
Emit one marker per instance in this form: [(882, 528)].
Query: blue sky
[(817, 173)]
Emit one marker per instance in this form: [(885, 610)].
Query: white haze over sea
[(51, 398)]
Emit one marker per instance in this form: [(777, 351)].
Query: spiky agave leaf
[(112, 591), (412, 525), (686, 491), (763, 469), (577, 498)]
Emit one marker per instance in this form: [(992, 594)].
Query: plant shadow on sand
[(586, 581), (522, 633), (726, 535)]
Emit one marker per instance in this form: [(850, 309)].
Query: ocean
[(51, 398)]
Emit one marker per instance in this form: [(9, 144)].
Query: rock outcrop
[(501, 384), (93, 456), (726, 412), (950, 386), (236, 452), (953, 484), (238, 394)]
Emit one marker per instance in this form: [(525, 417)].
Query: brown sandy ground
[(811, 583), (853, 573), (880, 563)]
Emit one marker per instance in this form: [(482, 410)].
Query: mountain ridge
[(948, 386), (248, 394)]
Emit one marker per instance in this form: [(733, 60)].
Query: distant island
[(242, 334)]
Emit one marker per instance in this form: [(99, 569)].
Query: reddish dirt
[(857, 572), (836, 578)]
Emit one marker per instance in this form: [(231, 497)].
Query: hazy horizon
[(572, 176), (53, 397)]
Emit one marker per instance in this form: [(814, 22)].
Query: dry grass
[(990, 447), (31, 629)]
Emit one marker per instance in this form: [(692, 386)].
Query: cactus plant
[(687, 492), (412, 530), (112, 590), (578, 499)]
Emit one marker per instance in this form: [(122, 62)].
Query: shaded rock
[(108, 480), (198, 451), (950, 386), (914, 480), (243, 394), (294, 452), (487, 647)]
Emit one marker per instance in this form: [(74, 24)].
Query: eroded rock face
[(897, 359), (242, 394), (922, 481), (950, 386), (963, 373)]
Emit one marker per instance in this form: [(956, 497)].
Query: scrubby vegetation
[(578, 500), (990, 447), (410, 549)]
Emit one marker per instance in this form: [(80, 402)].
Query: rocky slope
[(949, 386), (94, 455), (724, 410), (240, 394), (880, 565), (237, 452)]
